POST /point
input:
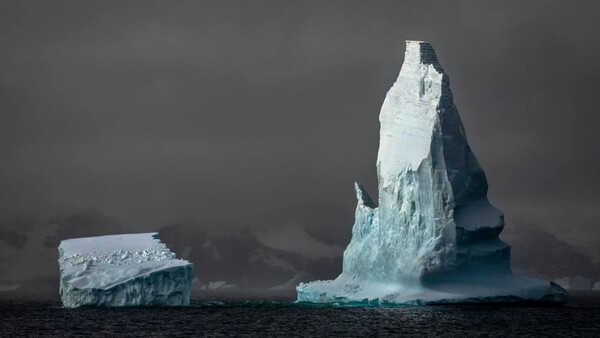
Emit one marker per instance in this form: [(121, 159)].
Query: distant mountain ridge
[(240, 258), (243, 257), (540, 253)]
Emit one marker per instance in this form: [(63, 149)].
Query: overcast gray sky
[(258, 113)]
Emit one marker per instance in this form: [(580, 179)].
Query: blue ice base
[(509, 288)]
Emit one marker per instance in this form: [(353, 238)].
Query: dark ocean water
[(580, 317)]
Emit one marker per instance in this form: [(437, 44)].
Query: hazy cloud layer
[(260, 113)]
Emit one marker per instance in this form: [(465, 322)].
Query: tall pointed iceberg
[(433, 238)]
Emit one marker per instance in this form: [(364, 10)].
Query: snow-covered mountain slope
[(539, 253), (247, 259)]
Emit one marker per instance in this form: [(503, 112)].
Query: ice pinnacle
[(433, 237)]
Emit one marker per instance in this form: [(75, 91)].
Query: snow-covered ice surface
[(122, 270), (433, 237)]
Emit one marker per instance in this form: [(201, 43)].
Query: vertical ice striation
[(434, 225)]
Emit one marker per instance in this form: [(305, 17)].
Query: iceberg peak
[(420, 52), (433, 235)]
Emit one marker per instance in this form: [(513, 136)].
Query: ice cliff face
[(432, 190), (122, 270), (434, 224)]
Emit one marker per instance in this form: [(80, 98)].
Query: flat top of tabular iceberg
[(105, 261), (110, 243)]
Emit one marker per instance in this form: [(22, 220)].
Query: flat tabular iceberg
[(433, 237), (122, 270)]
